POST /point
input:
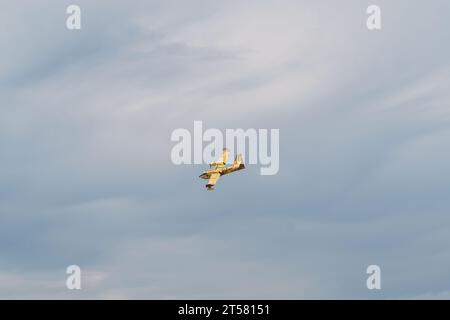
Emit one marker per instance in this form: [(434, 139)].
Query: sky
[(86, 176)]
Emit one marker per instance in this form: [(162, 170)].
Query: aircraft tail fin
[(238, 162)]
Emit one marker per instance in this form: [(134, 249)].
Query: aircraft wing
[(213, 180), (222, 159)]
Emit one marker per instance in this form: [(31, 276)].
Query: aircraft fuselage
[(207, 174)]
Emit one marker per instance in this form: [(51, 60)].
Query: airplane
[(220, 168)]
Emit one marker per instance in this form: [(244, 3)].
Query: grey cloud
[(86, 177)]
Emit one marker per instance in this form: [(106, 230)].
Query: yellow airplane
[(220, 169)]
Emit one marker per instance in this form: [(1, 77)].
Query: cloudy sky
[(86, 176)]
